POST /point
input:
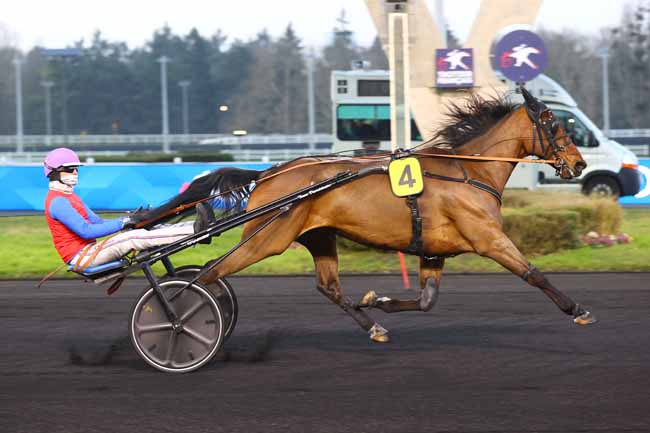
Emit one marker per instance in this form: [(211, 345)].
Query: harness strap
[(416, 246), (80, 265), (485, 187), (475, 183), (77, 267), (50, 275), (372, 158)]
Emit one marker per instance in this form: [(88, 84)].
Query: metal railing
[(244, 155), (637, 140), (8, 142), (254, 147), (621, 133)]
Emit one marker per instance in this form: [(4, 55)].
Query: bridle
[(545, 124)]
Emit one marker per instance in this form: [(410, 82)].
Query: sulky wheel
[(187, 272), (222, 290), (190, 345)]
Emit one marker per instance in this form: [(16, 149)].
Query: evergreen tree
[(202, 96), (291, 81), (99, 87), (566, 50), (230, 72), (629, 50), (7, 91), (338, 55), (146, 68), (375, 55), (35, 71), (452, 40), (114, 89), (258, 109)]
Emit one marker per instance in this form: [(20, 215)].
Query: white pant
[(120, 244)]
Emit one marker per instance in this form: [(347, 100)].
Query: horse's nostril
[(580, 165)]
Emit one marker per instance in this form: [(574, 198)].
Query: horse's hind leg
[(271, 240), (321, 243), (430, 273), (504, 252)]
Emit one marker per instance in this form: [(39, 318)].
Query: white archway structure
[(426, 101)]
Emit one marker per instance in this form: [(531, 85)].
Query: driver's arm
[(92, 216), (62, 210)]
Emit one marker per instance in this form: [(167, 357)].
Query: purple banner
[(455, 68)]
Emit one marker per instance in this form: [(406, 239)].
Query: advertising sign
[(520, 55), (642, 198), (107, 186), (455, 68)]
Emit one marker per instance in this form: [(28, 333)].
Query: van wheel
[(600, 185)]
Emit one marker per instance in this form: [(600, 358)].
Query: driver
[(75, 227)]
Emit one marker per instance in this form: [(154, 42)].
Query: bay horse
[(456, 217)]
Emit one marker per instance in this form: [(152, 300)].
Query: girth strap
[(475, 183), (416, 246)]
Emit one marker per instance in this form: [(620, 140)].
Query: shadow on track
[(248, 349)]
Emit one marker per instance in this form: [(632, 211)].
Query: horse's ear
[(531, 101)]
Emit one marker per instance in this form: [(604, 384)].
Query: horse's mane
[(470, 119)]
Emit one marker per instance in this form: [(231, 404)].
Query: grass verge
[(26, 251)]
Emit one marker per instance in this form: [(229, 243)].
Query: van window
[(577, 130), (367, 123)]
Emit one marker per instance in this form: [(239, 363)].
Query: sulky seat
[(101, 268)]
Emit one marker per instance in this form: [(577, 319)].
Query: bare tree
[(574, 64)]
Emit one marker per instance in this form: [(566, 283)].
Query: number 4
[(406, 178)]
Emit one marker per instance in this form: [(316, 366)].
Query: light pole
[(310, 101), (604, 55), (184, 84), (19, 104), (163, 60), (47, 85)]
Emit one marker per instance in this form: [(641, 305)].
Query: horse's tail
[(214, 182)]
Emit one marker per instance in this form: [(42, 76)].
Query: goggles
[(69, 169)]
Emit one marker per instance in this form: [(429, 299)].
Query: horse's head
[(554, 142)]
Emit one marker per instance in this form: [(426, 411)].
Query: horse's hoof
[(585, 318), (368, 300), (379, 334), (380, 338)]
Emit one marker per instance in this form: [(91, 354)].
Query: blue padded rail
[(101, 268)]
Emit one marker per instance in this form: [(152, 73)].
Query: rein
[(485, 158), (183, 207), (180, 208)]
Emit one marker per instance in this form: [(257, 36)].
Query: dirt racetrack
[(494, 355)]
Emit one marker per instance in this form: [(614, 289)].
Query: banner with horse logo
[(455, 68)]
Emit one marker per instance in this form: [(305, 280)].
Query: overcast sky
[(58, 23)]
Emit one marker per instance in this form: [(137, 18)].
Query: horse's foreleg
[(430, 273), (321, 243), (504, 252)]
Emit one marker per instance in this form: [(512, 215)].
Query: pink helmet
[(60, 157)]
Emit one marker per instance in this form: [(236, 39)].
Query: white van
[(361, 120), (611, 168)]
